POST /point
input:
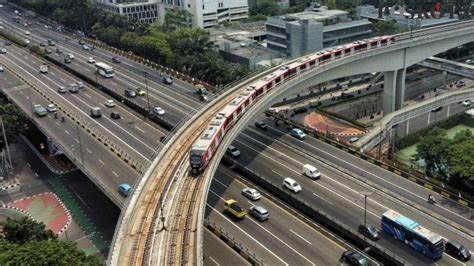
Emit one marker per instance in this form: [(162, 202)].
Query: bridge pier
[(394, 90)]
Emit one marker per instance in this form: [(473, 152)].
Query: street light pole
[(146, 88), (365, 194), (80, 144)]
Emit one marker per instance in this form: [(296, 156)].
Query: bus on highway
[(410, 232), (104, 70)]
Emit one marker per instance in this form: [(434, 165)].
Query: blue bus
[(413, 234)]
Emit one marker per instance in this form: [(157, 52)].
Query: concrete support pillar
[(449, 107), (389, 91), (407, 127), (394, 90), (429, 116), (400, 91)]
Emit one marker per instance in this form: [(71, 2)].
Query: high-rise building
[(206, 13)]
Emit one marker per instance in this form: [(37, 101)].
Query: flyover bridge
[(162, 223), (450, 66)]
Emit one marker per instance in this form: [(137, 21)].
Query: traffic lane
[(142, 149), (108, 170), (216, 252), (7, 80), (335, 193), (291, 231), (403, 187)]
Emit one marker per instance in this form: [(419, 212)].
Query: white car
[(291, 184), (51, 108), (469, 61), (110, 103), (27, 33), (1, 68), (466, 103), (27, 41), (1, 27), (85, 47), (158, 111), (90, 60), (3, 51), (70, 56), (251, 193)]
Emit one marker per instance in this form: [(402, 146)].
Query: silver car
[(251, 193), (260, 213)]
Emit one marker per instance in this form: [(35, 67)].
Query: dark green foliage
[(14, 121), (24, 230)]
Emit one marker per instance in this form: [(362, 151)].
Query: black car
[(8, 43), (115, 115), (203, 98), (129, 93), (116, 60), (369, 231), (47, 51), (168, 80), (261, 125), (457, 250), (354, 258), (42, 44), (59, 50)]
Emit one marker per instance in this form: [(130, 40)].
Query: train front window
[(195, 159)]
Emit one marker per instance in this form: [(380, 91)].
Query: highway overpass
[(170, 198)]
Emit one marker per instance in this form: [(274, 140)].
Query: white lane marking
[(88, 70), (291, 230), (139, 129), (36, 174), (316, 195), (77, 140), (100, 161), (89, 151), (245, 233), (100, 125), (113, 83), (29, 165), (270, 233), (63, 80), (67, 132), (222, 184), (276, 173), (52, 73), (87, 95), (57, 124), (213, 260), (113, 172)]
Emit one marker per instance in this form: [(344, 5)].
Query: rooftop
[(316, 15)]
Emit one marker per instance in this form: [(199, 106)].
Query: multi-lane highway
[(338, 194)]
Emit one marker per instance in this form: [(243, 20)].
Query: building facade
[(296, 34), (206, 13)]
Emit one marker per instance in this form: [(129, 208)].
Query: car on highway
[(43, 69), (73, 88), (203, 98), (8, 43), (437, 109), (80, 85), (67, 60), (82, 42), (354, 258), (469, 62), (129, 93), (140, 92), (42, 44), (168, 80), (233, 151), (369, 231), (298, 133), (116, 60), (124, 189), (1, 68), (291, 184), (85, 47), (260, 213), (62, 90), (91, 60), (51, 42), (109, 103), (40, 110), (460, 83), (3, 51), (70, 56), (158, 111), (1, 27), (27, 32), (51, 108), (115, 115), (457, 250), (48, 51), (466, 103), (59, 50), (251, 193), (261, 125), (25, 24), (27, 41)]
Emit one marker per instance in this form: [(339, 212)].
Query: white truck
[(311, 171)]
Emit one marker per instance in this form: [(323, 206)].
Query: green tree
[(434, 149), (265, 7), (331, 4), (381, 28), (24, 230), (50, 252), (14, 121), (177, 19)]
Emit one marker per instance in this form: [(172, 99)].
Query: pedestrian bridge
[(162, 223)]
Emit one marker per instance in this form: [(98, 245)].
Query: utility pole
[(80, 144), (146, 88), (365, 194), (6, 143)]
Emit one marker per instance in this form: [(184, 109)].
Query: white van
[(291, 184), (311, 171)]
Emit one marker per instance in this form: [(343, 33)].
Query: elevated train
[(206, 145)]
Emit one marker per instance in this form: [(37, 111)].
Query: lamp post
[(365, 194), (146, 88), (80, 144)]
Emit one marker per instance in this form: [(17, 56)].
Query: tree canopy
[(14, 121)]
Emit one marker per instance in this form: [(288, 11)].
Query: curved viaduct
[(162, 224)]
